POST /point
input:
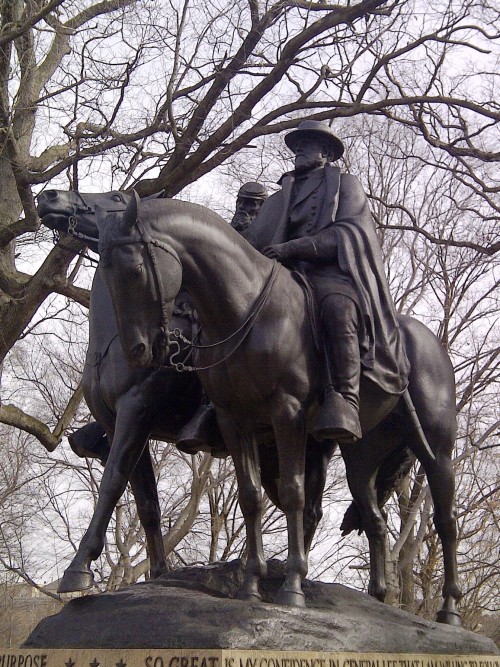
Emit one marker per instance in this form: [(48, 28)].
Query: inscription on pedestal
[(230, 658)]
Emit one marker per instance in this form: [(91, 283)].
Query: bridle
[(174, 336), (73, 219), (244, 329)]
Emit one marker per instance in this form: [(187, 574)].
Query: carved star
[(120, 663), (95, 663), (70, 663)]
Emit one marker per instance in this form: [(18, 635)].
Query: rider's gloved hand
[(281, 252)]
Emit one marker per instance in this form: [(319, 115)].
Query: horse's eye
[(117, 197)]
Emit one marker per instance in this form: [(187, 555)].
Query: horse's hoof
[(290, 598), (377, 592), (248, 597), (449, 617), (76, 580)]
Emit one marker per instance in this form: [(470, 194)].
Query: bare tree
[(160, 96), (171, 95)]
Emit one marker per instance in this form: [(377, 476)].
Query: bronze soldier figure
[(319, 224), (250, 198)]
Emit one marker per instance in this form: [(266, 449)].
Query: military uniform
[(323, 219)]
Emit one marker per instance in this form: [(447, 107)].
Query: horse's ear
[(130, 214), (155, 195)]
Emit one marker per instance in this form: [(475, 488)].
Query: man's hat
[(253, 190), (319, 130)]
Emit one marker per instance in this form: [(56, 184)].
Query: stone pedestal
[(230, 658), (193, 609)]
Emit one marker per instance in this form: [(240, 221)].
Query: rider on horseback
[(319, 224), (250, 198)]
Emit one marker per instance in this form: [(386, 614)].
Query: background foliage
[(191, 99)]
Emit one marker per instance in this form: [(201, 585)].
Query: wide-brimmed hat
[(253, 190), (319, 130)]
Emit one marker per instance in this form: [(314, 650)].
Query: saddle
[(313, 311)]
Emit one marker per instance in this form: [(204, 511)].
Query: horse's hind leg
[(318, 457), (143, 484), (432, 390), (362, 461), (441, 478)]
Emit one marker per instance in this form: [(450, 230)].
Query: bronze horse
[(258, 363), (131, 405)]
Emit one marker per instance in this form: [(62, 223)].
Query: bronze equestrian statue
[(259, 363)]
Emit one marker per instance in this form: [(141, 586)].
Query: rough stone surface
[(192, 608)]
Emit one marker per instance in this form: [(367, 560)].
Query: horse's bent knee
[(291, 494)]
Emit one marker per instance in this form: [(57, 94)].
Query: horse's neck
[(102, 322), (222, 272)]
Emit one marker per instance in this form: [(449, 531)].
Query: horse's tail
[(393, 469), (421, 444)]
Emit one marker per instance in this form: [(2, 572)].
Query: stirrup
[(336, 420)]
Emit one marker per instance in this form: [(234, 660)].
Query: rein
[(73, 221), (175, 335), (244, 329)]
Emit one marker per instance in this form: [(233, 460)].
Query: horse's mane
[(203, 217), (108, 231), (110, 235), (202, 214)]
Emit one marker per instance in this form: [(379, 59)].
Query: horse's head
[(143, 277), (74, 212)]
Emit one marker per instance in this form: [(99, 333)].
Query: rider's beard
[(241, 220), (303, 164)]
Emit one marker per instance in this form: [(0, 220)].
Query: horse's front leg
[(145, 490), (130, 437), (244, 452), (289, 429)]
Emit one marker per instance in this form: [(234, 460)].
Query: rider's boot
[(338, 415), (201, 434), (90, 441), (337, 419)]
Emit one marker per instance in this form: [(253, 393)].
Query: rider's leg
[(201, 433), (338, 417)]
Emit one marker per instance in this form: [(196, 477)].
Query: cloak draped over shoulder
[(341, 236)]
